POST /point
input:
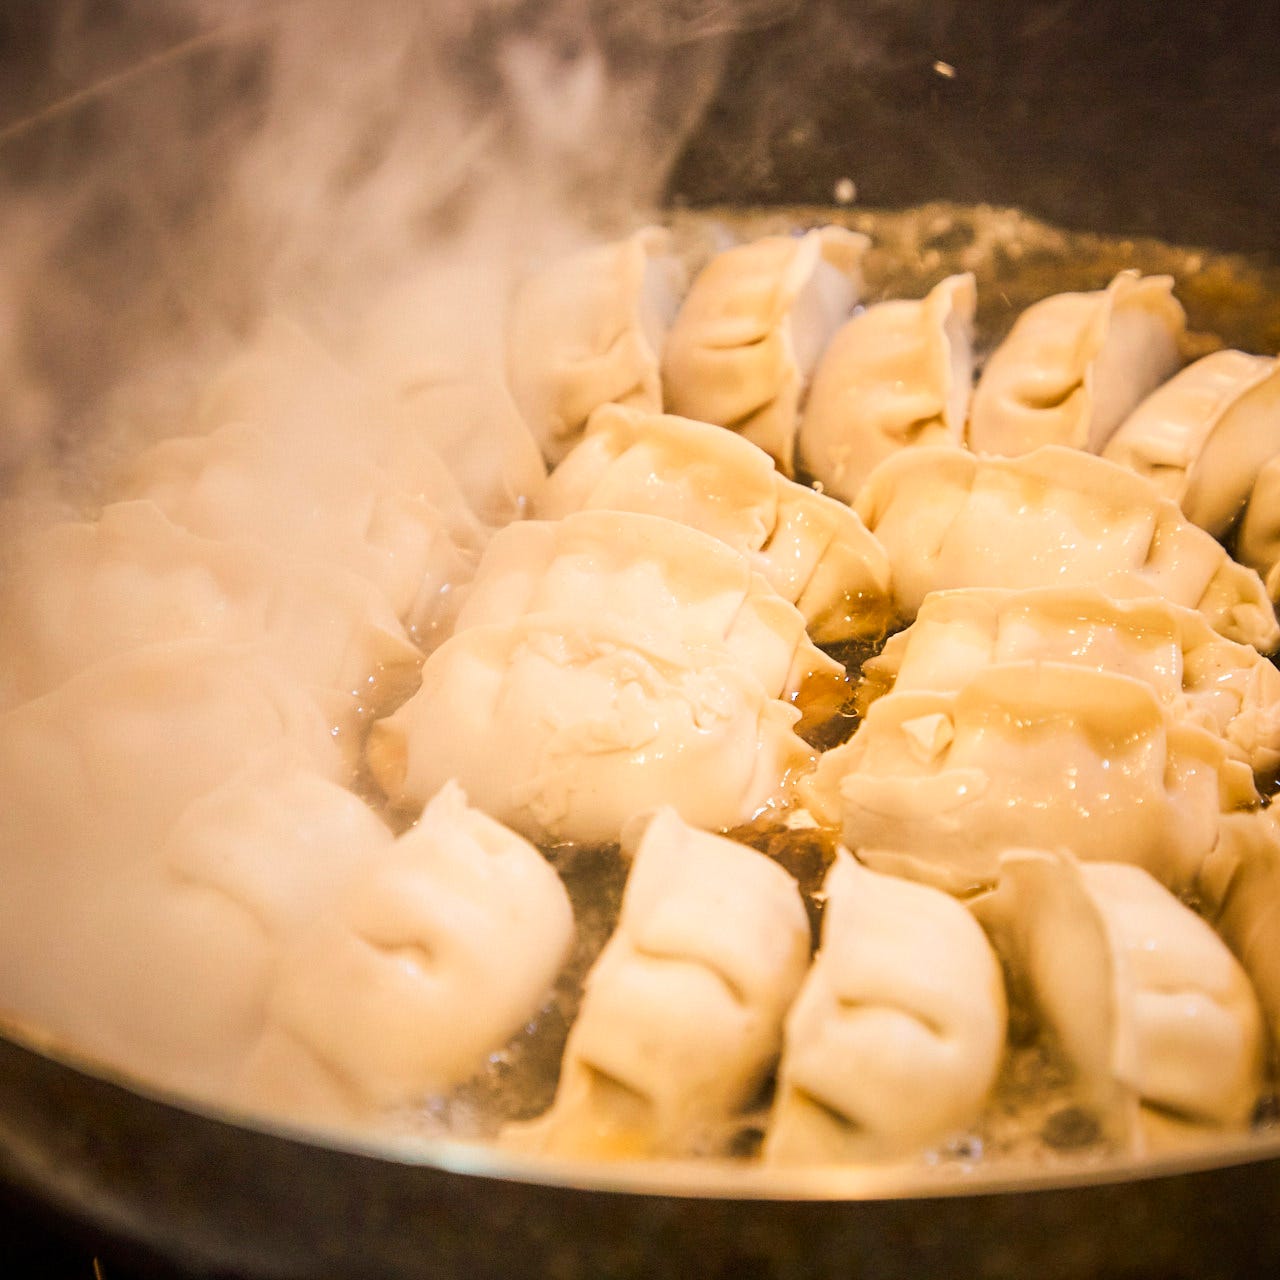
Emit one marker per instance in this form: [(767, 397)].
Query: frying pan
[(1095, 116)]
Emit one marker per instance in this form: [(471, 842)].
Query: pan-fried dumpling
[(1075, 365), (897, 1035), (1202, 438), (1149, 1007), (1240, 890), (564, 726), (812, 549), (899, 373), (181, 981), (439, 947), (749, 334), (92, 778), (1197, 674), (936, 785), (1258, 542), (244, 483), (663, 579), (78, 592), (681, 1016), (588, 330), (1055, 517)]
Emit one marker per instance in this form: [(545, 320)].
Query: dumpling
[(588, 330), (564, 726), (1075, 365), (78, 592), (1258, 542), (813, 550), (664, 580), (1197, 674), (1202, 438), (897, 1035), (937, 785), (1149, 1007), (242, 483), (899, 373), (1055, 517), (93, 777), (437, 949), (681, 1017), (749, 334), (1239, 887)]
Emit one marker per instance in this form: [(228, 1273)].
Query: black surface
[(1126, 118)]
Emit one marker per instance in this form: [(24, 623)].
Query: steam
[(172, 177)]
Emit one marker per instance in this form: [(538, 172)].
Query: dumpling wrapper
[(1240, 888), (681, 1016), (93, 777), (813, 550), (1055, 517), (76, 593), (440, 946), (1198, 675), (1150, 1008), (936, 785), (898, 1032), (244, 483), (589, 330), (1075, 365), (661, 579), (1202, 438), (563, 727), (750, 333), (1258, 541), (899, 373)]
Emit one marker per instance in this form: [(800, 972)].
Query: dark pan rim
[(695, 1179)]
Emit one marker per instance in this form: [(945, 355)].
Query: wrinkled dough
[(1075, 365), (681, 1016), (1202, 438), (1258, 542), (76, 593), (665, 580), (897, 1035), (1240, 888), (1147, 1004), (749, 334), (898, 374), (937, 785), (440, 946), (1198, 675), (812, 549), (1055, 517), (243, 483), (564, 726), (92, 778), (588, 331)]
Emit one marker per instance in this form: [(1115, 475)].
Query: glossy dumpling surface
[(1197, 674), (1075, 365), (937, 785), (1055, 517), (681, 1016), (666, 581), (564, 726), (749, 334), (898, 374), (895, 1039), (813, 550)]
